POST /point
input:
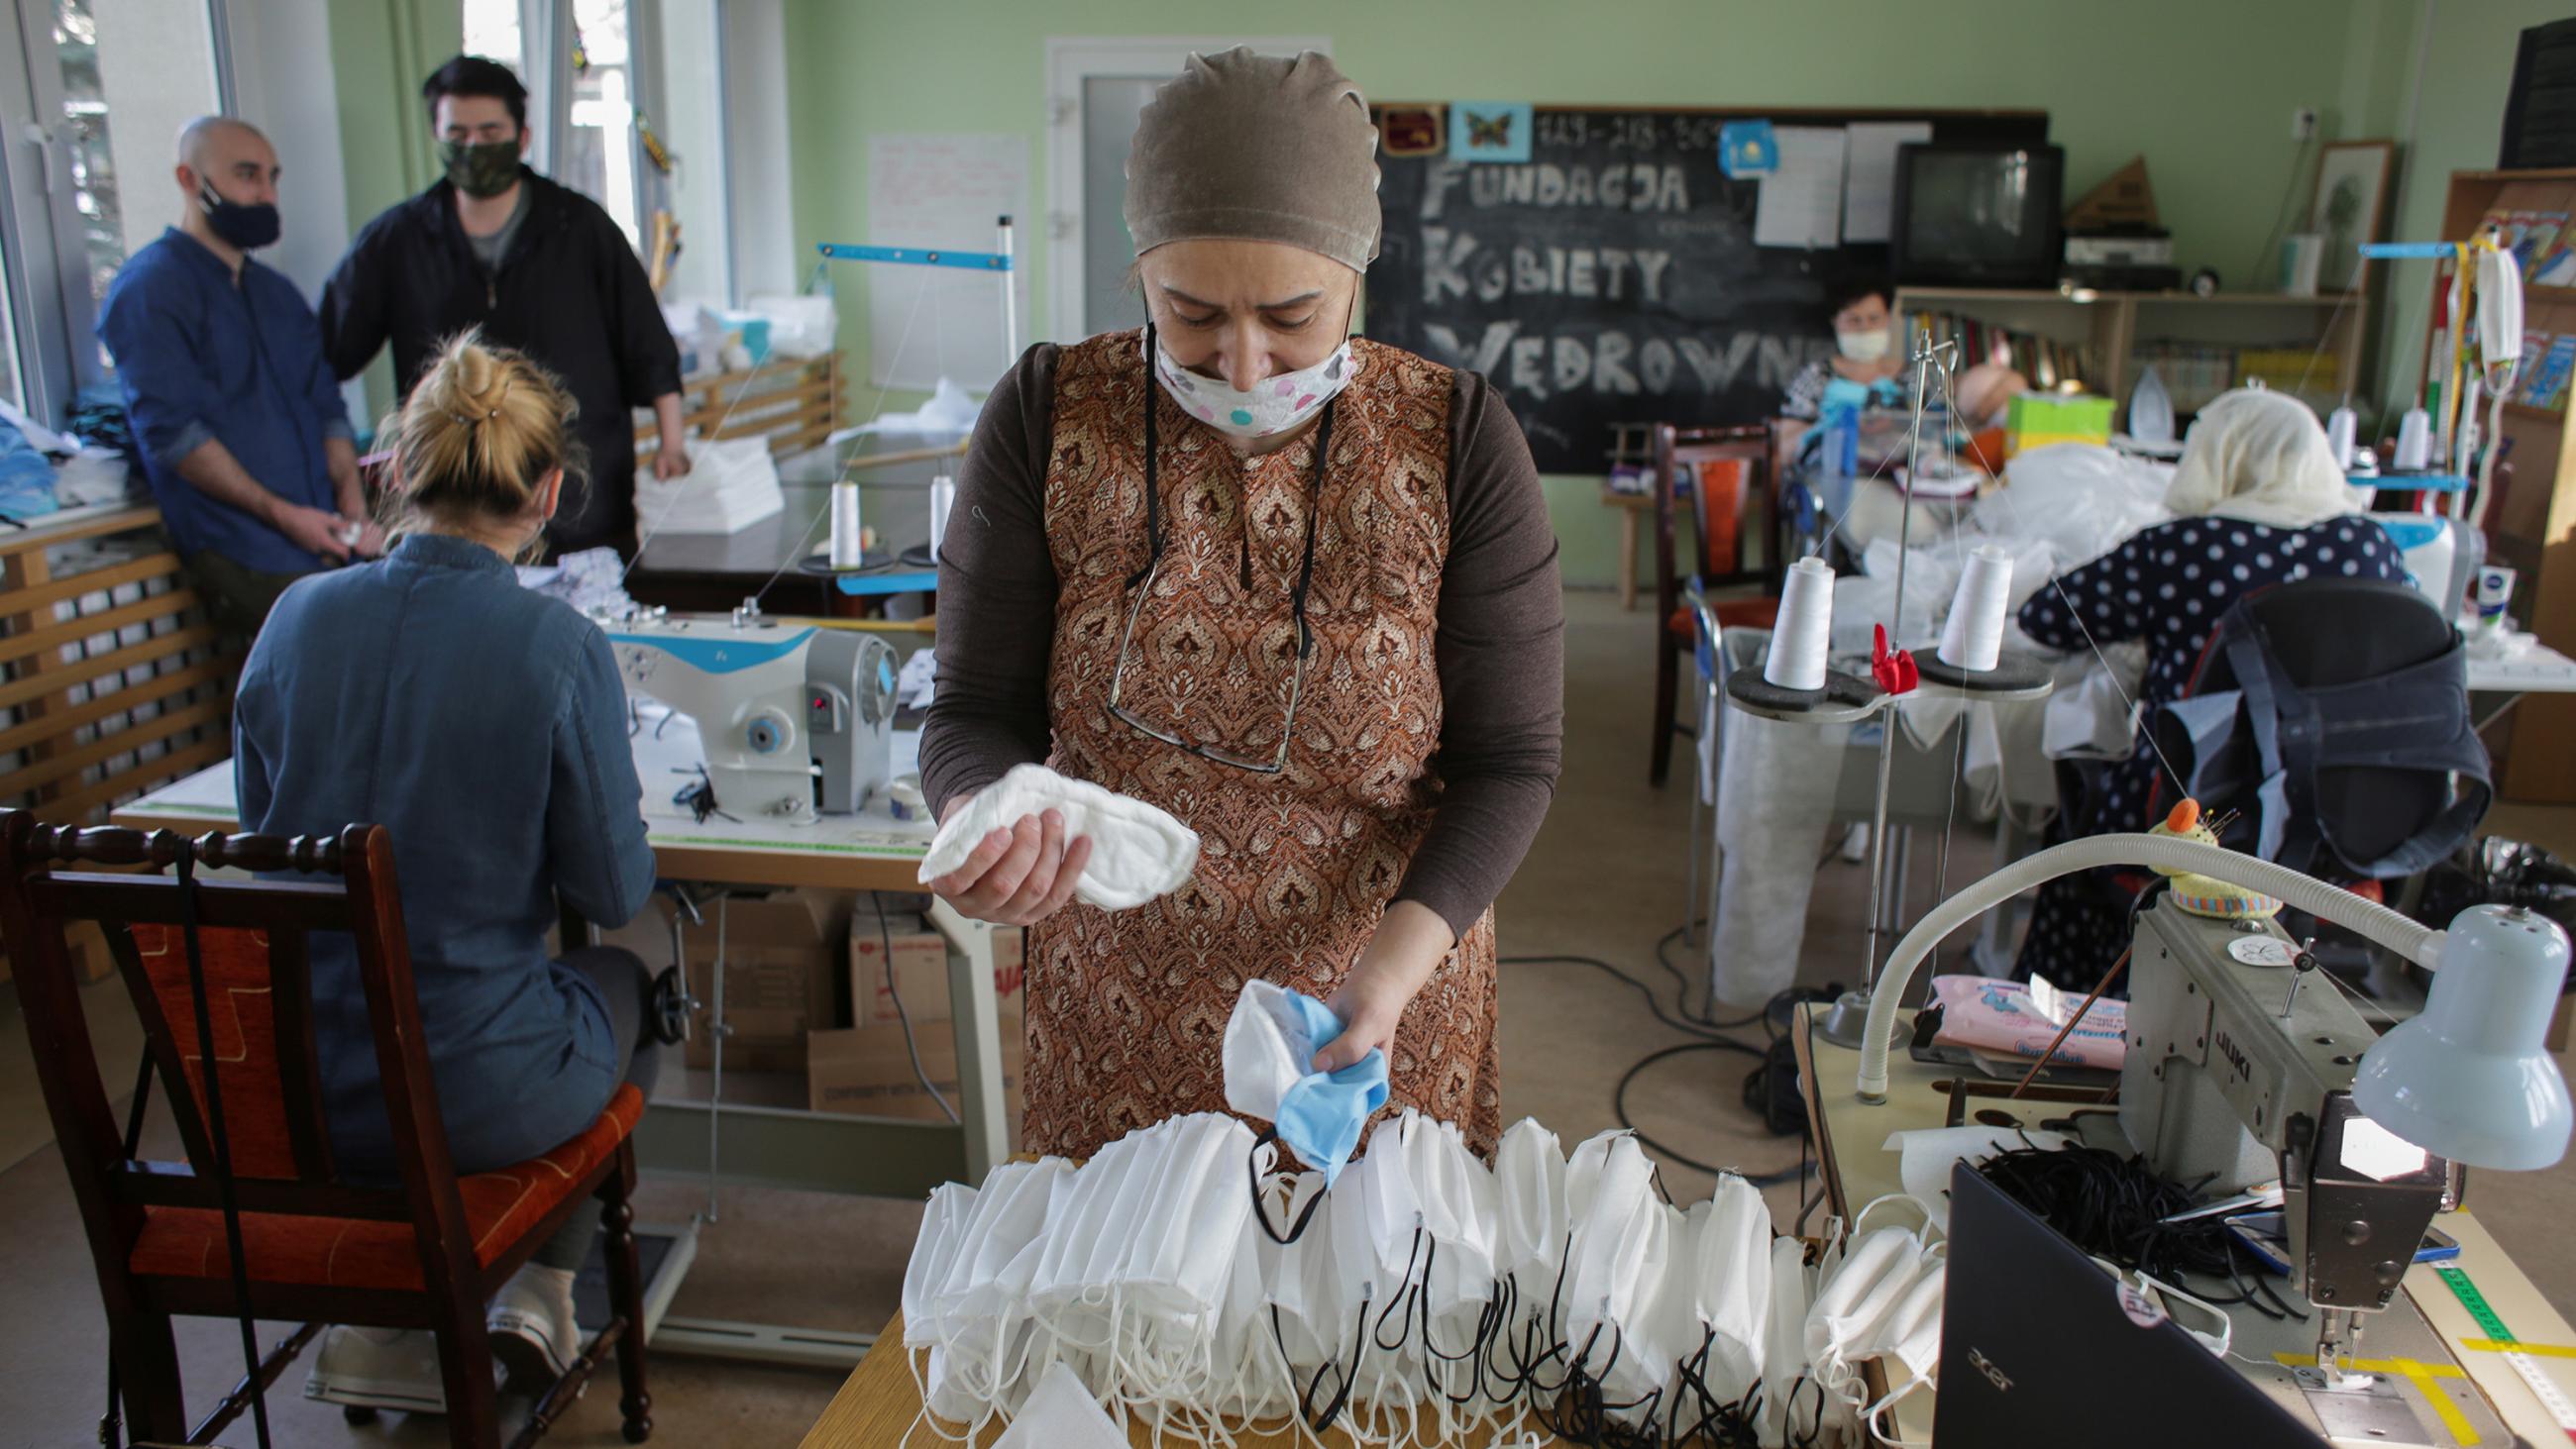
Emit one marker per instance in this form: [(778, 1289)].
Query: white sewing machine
[(793, 718)]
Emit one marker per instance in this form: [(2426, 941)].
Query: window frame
[(53, 319)]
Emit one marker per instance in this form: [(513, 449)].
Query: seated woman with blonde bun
[(485, 727)]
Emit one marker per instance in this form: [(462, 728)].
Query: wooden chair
[(1729, 473), (429, 1254)]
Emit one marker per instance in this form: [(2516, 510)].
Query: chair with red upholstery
[(427, 1254), (1728, 475)]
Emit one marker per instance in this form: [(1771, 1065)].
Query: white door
[(1097, 88)]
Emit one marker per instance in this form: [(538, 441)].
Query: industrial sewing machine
[(2242, 1070), (793, 718)]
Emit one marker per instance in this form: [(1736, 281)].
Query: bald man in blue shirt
[(238, 418)]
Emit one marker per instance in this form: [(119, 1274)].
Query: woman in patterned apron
[(1296, 588)]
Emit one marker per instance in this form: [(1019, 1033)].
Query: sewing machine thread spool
[(1805, 627), (848, 548), (1973, 638), (2415, 441), (2340, 429), (943, 496)]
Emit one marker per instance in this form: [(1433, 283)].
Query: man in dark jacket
[(534, 265)]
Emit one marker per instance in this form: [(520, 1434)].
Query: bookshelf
[(2531, 522), (2311, 345)]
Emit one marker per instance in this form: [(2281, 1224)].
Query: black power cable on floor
[(1710, 1037)]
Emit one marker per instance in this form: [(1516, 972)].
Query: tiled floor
[(1606, 880)]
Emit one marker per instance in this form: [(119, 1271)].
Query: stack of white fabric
[(592, 581), (730, 486), (1426, 1299)]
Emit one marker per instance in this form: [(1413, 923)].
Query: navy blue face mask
[(248, 227)]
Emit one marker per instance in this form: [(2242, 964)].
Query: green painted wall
[(381, 50), (2204, 88), (2459, 127)]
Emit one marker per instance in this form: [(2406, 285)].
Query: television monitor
[(1978, 214)]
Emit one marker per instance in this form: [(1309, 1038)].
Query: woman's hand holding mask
[(1410, 942), (1018, 876)]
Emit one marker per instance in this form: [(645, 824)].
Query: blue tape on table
[(889, 583)]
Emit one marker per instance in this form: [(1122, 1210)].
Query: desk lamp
[(2469, 1078)]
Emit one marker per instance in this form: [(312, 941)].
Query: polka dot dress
[(2167, 586)]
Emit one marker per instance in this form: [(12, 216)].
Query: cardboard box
[(779, 952), (865, 1070), (920, 973)]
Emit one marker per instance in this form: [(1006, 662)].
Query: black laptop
[(2056, 1359)]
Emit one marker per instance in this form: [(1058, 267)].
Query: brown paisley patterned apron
[(1127, 1011)]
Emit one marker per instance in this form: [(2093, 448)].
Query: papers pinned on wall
[(1869, 176), (1802, 197), (942, 189)]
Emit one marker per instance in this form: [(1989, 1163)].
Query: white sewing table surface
[(1851, 1139), (867, 851)]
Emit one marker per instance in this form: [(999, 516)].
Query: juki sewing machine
[(2240, 1070), (793, 718)]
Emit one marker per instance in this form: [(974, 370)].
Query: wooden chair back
[(256, 941)]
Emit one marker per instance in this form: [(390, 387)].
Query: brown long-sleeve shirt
[(1500, 647)]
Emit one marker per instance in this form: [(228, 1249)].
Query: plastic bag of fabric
[(2081, 499), (26, 477)]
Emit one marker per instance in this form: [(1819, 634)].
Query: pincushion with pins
[(2204, 895)]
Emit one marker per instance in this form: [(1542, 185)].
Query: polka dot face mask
[(1274, 405)]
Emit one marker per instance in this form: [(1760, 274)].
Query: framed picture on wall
[(2352, 200)]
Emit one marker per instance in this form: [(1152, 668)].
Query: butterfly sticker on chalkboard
[(1489, 131), (1411, 131)]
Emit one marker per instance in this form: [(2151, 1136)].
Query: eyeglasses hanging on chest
[(1140, 588)]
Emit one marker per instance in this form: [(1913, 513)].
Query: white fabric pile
[(592, 581), (1139, 852), (1424, 1299), (730, 486)]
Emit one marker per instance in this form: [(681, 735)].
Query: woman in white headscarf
[(2261, 503)]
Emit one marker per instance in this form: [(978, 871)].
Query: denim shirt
[(203, 358), (485, 727)]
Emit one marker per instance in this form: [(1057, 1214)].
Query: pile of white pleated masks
[(1188, 1281)]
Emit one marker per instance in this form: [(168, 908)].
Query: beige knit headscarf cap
[(1257, 148)]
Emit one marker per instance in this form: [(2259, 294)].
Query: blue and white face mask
[(1270, 1046)]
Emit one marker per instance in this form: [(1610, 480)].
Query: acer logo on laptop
[(1984, 1365)]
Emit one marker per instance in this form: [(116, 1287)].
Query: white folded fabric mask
[(1138, 852), (1790, 1399), (1061, 1414), (1733, 1287)]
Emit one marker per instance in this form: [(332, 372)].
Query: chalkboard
[(1613, 276)]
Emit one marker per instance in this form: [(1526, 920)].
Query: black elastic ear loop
[(1350, 1379), (1314, 505), (1252, 1170), (217, 1137), (1408, 1292), (1475, 1350), (1506, 1310), (1153, 494), (1557, 1346), (1789, 1415)]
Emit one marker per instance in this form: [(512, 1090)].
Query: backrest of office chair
[(2329, 631), (255, 949)]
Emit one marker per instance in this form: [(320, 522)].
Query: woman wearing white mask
[(1867, 351), (1295, 587)]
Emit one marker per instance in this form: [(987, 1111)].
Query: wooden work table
[(878, 1405)]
